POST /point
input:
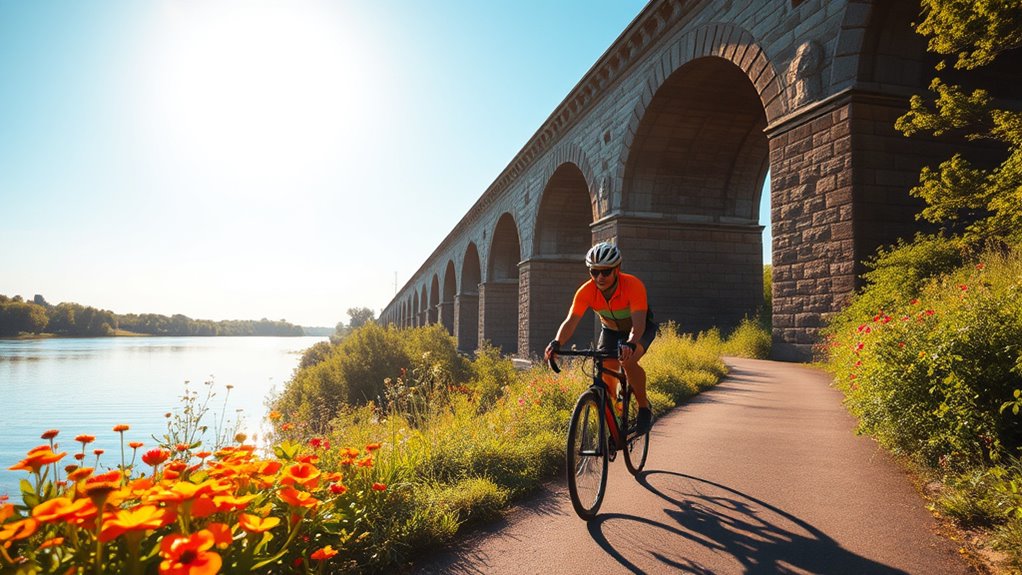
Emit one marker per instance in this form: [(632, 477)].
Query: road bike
[(595, 433)]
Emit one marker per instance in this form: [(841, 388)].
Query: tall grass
[(460, 452)]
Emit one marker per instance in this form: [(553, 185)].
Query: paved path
[(762, 474)]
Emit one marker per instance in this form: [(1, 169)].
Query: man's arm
[(638, 329), (564, 333)]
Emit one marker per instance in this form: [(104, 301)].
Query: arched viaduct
[(664, 147)]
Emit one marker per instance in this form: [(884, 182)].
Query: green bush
[(749, 339), (928, 375)]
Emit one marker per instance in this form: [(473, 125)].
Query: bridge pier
[(547, 285), (698, 273), (498, 313), (445, 310), (466, 321)]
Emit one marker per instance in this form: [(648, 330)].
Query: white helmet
[(603, 255)]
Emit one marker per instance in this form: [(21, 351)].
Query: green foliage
[(21, 317), (749, 339), (980, 202), (360, 316), (897, 274), (929, 374), (491, 374)]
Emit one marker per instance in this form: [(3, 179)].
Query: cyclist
[(619, 299)]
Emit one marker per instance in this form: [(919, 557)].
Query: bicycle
[(594, 434)]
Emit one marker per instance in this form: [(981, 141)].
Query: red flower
[(85, 439), (50, 434), (324, 553), (379, 487), (121, 427), (155, 457)]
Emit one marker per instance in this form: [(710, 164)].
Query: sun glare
[(258, 92)]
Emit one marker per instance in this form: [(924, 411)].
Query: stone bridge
[(664, 147)]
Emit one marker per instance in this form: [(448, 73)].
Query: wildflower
[(980, 265), (99, 487), (141, 518), (232, 502), (287, 427), (182, 447), (189, 554), (302, 474), (98, 452), (50, 434), (85, 439), (366, 461), (324, 553), (275, 415), (38, 458), (338, 488), (79, 456), (52, 542), (963, 287), (17, 530), (121, 427), (135, 444), (256, 524), (373, 446), (59, 509), (914, 301), (296, 498), (379, 487), (222, 535), (155, 457)]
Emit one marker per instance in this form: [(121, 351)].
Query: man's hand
[(625, 350), (551, 349)]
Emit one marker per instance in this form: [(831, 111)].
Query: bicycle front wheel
[(586, 456), (636, 446)]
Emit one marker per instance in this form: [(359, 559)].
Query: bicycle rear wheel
[(586, 456), (636, 446)]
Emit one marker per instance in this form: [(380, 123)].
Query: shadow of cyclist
[(726, 523)]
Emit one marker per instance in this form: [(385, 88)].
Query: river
[(89, 385)]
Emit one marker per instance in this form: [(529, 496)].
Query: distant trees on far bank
[(18, 316)]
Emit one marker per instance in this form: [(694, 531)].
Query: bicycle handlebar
[(593, 353)]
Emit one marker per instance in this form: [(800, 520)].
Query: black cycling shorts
[(609, 338)]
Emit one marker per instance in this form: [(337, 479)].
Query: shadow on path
[(720, 524)]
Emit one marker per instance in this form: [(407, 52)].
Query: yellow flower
[(255, 524)]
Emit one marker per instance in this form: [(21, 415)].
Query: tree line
[(18, 316)]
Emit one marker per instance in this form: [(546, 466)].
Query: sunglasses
[(603, 272)]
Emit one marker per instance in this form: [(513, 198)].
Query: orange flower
[(98, 487), (287, 427), (379, 487), (189, 555), (255, 524), (6, 510), (338, 488), (366, 461), (155, 457), (324, 553), (222, 535), (50, 434), (203, 454), (38, 457), (18, 529), (141, 518), (373, 446), (296, 498), (184, 491), (301, 473), (98, 452), (275, 415), (121, 427), (85, 439), (135, 444), (232, 502), (59, 509), (52, 542), (181, 447)]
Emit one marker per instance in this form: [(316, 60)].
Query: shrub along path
[(761, 474)]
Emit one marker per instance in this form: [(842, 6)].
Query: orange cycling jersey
[(615, 313)]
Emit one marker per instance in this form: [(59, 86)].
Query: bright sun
[(257, 91)]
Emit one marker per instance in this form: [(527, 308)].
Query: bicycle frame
[(609, 422)]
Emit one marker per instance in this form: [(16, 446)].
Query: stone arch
[(697, 159), (422, 318), (498, 297), (416, 318), (450, 291), (434, 301), (466, 307), (563, 234)]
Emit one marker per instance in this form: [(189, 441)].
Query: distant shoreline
[(125, 333)]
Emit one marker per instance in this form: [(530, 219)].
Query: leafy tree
[(360, 316), (987, 200), (21, 317)]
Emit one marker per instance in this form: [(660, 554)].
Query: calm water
[(90, 385)]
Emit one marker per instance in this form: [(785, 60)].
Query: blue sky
[(248, 159)]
